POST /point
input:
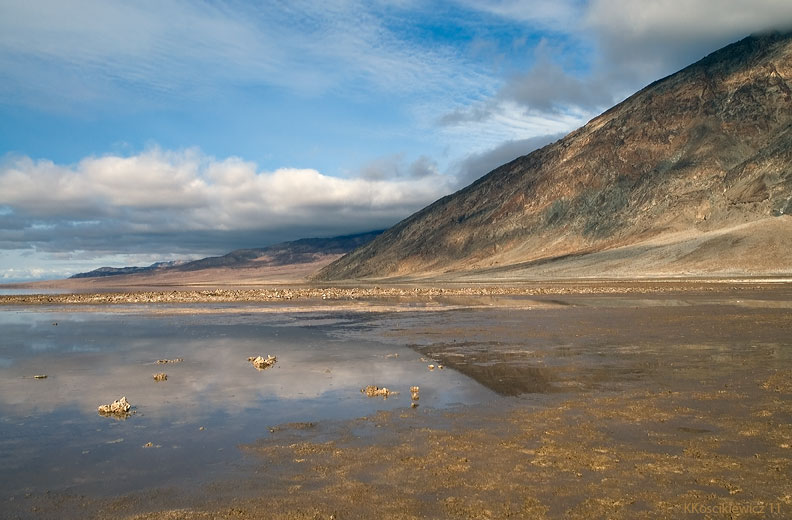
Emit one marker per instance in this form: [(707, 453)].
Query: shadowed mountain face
[(691, 172), (303, 251)]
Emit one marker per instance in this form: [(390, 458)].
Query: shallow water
[(581, 348), (51, 437)]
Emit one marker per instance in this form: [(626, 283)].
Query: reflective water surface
[(5, 290), (51, 437)]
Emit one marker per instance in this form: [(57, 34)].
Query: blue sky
[(133, 132)]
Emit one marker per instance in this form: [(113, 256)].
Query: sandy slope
[(761, 248)]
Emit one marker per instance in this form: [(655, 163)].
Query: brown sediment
[(636, 454), (294, 426), (395, 292), (118, 408), (261, 362), (166, 361), (375, 391), (616, 411), (780, 381)]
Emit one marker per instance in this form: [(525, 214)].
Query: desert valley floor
[(643, 400)]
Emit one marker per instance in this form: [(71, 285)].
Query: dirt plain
[(120, 290), (660, 399)]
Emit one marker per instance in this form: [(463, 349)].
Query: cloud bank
[(163, 201), (601, 51)]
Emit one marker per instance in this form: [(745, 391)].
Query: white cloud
[(548, 88), (554, 14), (643, 41), (100, 50), (396, 167), (674, 19), (170, 193), (478, 164), (487, 125), (599, 53), (26, 273)]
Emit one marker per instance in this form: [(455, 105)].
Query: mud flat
[(588, 405), (409, 291)]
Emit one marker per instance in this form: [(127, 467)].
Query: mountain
[(117, 271), (308, 251), (690, 176)]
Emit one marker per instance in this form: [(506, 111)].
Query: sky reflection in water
[(51, 436)]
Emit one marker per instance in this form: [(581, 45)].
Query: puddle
[(212, 401)]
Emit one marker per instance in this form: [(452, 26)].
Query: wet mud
[(603, 408)]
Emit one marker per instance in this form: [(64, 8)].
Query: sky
[(136, 132)]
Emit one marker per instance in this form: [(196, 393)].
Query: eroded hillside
[(705, 150)]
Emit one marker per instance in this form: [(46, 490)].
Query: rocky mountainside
[(302, 251), (692, 174)]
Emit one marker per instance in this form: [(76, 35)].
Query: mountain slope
[(705, 149), (120, 271), (305, 251), (302, 251)]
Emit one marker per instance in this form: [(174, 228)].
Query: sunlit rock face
[(694, 173)]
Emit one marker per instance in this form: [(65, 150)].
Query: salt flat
[(633, 405)]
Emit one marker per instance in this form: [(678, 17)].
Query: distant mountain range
[(690, 176), (118, 271), (303, 251)]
